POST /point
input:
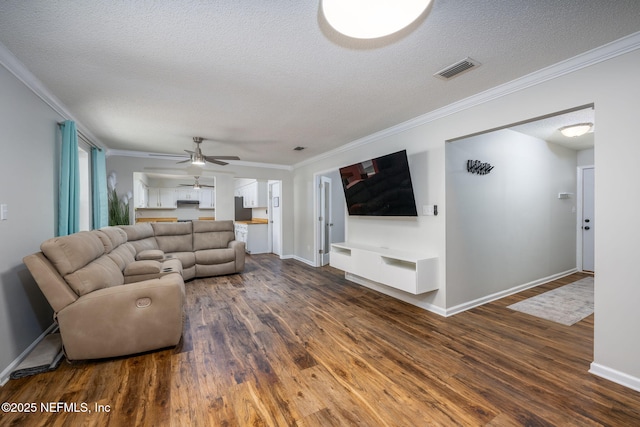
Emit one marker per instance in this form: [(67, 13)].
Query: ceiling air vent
[(458, 68)]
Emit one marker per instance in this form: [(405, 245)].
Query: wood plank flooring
[(285, 344)]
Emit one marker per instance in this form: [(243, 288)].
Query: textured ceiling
[(256, 79)]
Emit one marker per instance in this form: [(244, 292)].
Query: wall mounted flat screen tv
[(379, 187)]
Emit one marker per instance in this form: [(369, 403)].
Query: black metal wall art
[(478, 167)]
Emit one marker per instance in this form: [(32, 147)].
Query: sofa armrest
[(139, 271), (125, 319), (143, 267), (150, 254), (239, 248)]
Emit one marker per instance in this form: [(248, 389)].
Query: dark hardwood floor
[(285, 344)]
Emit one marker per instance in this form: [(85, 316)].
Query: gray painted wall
[(28, 185), (508, 227)]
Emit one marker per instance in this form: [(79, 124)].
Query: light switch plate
[(4, 211), (428, 210)]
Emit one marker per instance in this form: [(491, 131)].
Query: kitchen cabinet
[(255, 195), (140, 194), (207, 198), (255, 237), (187, 193), (162, 198)]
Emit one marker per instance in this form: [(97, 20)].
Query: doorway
[(330, 215)]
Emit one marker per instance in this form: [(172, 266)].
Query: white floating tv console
[(407, 271)]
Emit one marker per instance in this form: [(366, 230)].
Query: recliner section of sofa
[(83, 276)]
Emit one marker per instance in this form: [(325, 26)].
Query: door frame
[(270, 229), (579, 213), (317, 257)]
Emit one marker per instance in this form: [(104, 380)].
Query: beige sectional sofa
[(114, 297), (204, 248)]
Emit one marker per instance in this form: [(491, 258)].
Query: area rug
[(566, 305), (46, 356)]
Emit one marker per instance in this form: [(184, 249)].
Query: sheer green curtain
[(69, 191), (100, 203)]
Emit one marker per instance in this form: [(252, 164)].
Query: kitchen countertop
[(254, 221)]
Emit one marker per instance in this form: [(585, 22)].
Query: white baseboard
[(4, 375), (306, 261), (496, 296), (446, 312), (615, 376), (395, 293)]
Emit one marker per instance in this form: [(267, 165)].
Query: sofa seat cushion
[(215, 256), (99, 274), (188, 259)]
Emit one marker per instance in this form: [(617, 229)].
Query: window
[(85, 188)]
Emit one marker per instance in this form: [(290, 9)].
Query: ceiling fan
[(199, 159), (196, 185)]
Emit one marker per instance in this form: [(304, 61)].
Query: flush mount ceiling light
[(370, 19), (576, 130)]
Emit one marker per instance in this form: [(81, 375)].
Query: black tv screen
[(379, 187)]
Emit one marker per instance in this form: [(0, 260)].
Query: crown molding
[(9, 61), (600, 54), (173, 157)]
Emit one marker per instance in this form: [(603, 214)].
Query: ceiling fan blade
[(184, 161), (224, 157), (217, 162), (210, 186), (190, 152)]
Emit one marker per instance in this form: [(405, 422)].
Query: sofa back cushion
[(111, 237), (80, 258), (173, 236), (70, 253), (141, 236), (123, 255), (98, 274), (212, 234)]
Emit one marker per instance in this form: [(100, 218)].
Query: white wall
[(586, 157), (507, 228), (28, 185), (613, 85)]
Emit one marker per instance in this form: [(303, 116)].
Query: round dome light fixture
[(574, 131), (370, 19)]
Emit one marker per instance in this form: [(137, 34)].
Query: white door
[(325, 219), (588, 219), (276, 218)]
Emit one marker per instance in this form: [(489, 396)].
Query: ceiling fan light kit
[(370, 19), (198, 159), (196, 185)]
